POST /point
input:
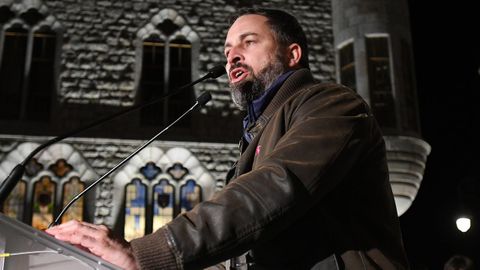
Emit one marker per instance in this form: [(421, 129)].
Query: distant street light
[(463, 224)]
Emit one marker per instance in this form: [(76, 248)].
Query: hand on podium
[(98, 240)]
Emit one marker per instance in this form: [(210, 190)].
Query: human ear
[(294, 54)]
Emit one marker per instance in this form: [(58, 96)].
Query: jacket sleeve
[(325, 132)]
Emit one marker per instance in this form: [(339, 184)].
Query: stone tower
[(374, 57)]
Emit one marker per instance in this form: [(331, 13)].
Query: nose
[(235, 55)]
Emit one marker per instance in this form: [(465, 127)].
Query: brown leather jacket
[(311, 191)]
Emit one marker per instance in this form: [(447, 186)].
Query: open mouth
[(238, 74)]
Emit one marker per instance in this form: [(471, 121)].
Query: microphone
[(201, 100), (216, 72), (16, 174)]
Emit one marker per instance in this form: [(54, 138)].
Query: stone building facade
[(98, 68)]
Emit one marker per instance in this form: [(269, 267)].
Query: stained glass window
[(43, 202), (15, 203), (150, 170), (33, 167), (70, 189), (61, 168), (163, 203), (177, 171), (135, 209), (170, 187), (49, 182), (190, 195)]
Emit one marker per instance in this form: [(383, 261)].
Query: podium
[(43, 252)]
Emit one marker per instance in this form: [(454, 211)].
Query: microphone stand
[(16, 174), (201, 100)]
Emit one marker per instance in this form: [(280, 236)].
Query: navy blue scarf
[(256, 107)]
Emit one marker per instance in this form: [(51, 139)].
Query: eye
[(226, 53)]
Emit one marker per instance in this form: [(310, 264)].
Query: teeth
[(238, 73)]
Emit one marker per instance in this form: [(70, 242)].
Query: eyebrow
[(242, 37)]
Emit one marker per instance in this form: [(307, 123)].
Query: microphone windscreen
[(217, 71), (204, 98)]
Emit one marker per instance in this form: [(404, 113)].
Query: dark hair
[(285, 27)]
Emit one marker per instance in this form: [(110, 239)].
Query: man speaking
[(310, 190)]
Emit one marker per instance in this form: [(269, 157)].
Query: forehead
[(251, 23)]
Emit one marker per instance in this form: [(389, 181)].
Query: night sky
[(447, 59)]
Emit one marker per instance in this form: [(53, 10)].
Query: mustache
[(238, 64)]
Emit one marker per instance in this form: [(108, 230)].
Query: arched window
[(43, 202), (27, 62), (180, 74), (70, 189), (152, 82), (50, 181), (41, 82), (143, 216), (190, 195), (14, 205), (173, 182), (166, 65), (12, 70), (135, 209), (163, 203)]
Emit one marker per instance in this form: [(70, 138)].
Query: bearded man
[(310, 190)]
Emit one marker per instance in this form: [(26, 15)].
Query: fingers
[(96, 239), (81, 233), (74, 225)]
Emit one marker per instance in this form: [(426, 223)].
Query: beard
[(248, 90)]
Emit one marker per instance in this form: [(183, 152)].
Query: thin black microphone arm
[(201, 100), (12, 179)]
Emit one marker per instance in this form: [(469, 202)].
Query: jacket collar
[(298, 80), (256, 107)]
